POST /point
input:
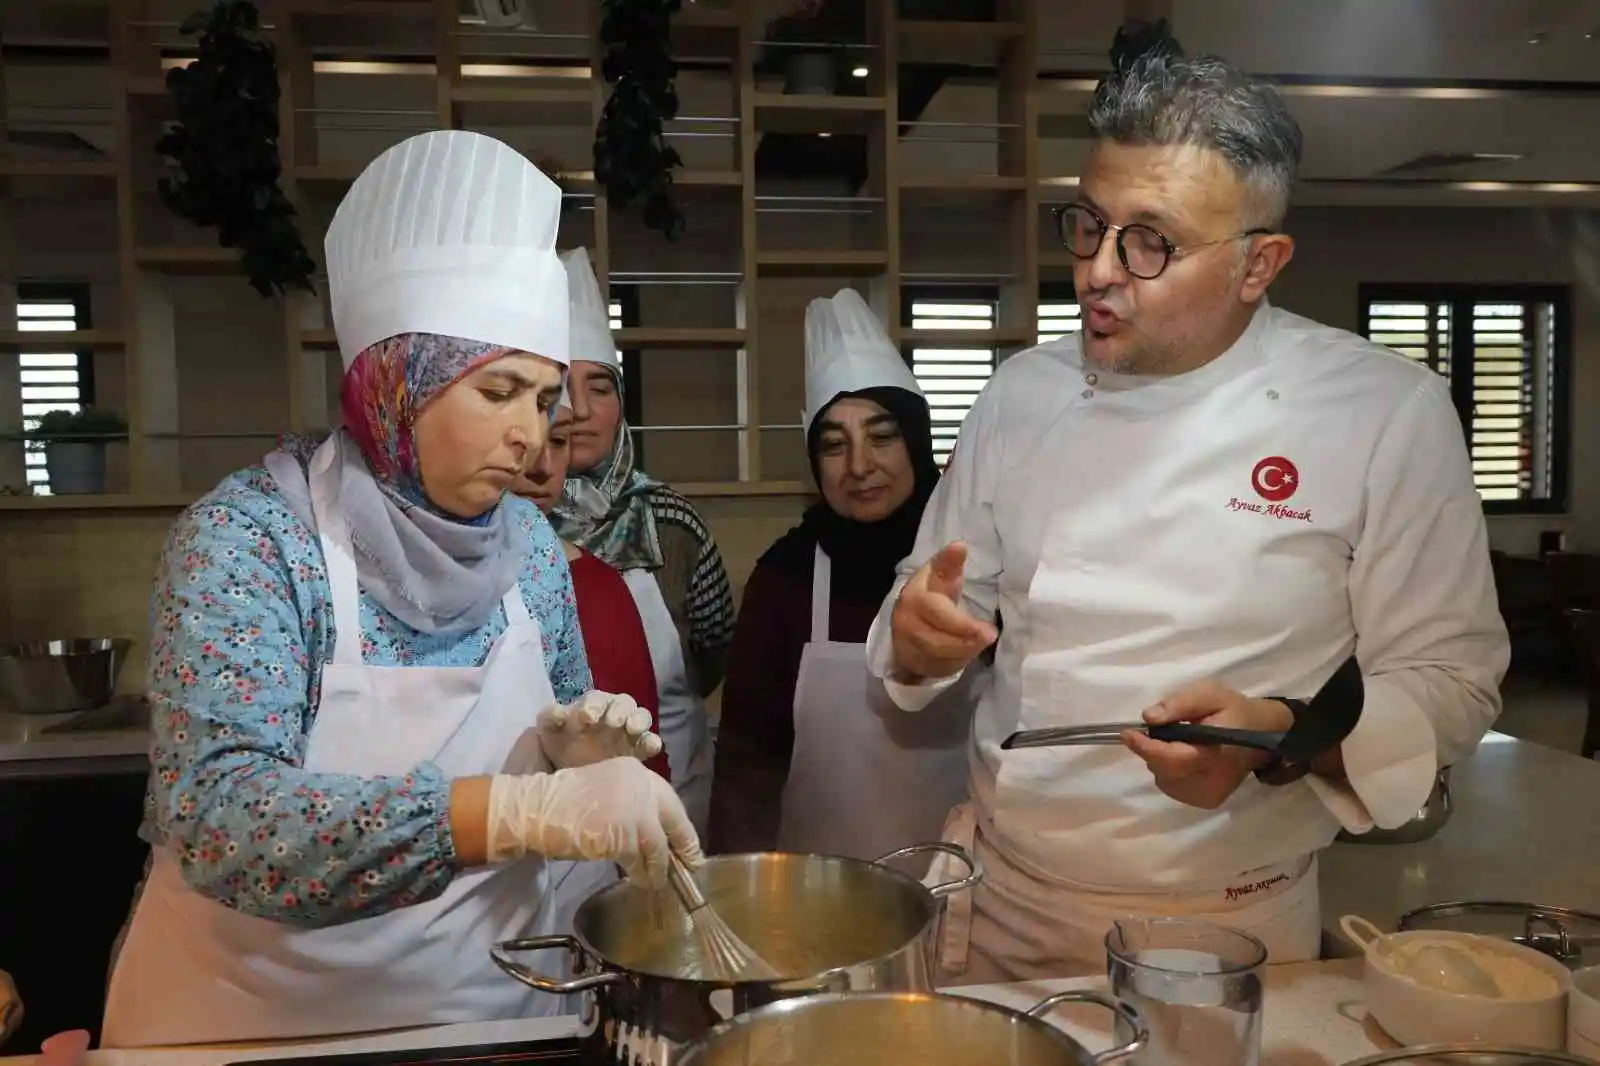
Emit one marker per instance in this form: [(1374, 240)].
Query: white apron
[(191, 970), (685, 727), (1019, 925), (867, 778)]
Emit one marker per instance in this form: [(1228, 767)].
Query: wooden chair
[(1586, 633), (1574, 579)]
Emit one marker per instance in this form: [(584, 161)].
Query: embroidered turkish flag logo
[(1275, 479)]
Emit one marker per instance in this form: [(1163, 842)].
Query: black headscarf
[(864, 554)]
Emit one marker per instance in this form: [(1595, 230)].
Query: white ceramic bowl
[(1583, 1013), (1412, 1013)]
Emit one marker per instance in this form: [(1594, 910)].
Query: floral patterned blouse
[(242, 625)]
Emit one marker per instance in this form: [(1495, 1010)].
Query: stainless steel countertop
[(1526, 827), (109, 740)]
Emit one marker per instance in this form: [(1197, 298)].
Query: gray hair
[(1166, 98)]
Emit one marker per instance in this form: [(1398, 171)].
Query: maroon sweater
[(614, 639), (755, 737)]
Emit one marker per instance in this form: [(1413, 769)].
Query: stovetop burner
[(558, 1052)]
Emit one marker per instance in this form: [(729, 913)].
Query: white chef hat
[(566, 396), (847, 350), (591, 315), (451, 233)]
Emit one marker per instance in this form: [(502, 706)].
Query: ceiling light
[(1444, 160), (824, 134), (859, 72)]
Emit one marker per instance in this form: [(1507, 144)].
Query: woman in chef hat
[(653, 535), (613, 632), (811, 756), (349, 800)]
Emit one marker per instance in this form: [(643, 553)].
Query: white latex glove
[(619, 810), (599, 726)]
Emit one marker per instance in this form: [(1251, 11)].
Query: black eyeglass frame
[(1169, 250)]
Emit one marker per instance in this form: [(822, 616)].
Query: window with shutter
[(951, 376), (1057, 318), (623, 311), (1506, 352), (51, 380), (1418, 331)]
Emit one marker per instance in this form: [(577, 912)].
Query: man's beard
[(1139, 359)]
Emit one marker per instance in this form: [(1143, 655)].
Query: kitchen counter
[(109, 740), (1523, 829), (1313, 1017)]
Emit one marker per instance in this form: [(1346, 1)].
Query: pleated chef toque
[(591, 315), (847, 350), (452, 233)]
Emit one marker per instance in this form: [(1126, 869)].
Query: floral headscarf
[(435, 572)]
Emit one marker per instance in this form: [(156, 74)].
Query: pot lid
[(1515, 908), (872, 1028), (1470, 1055), (1563, 932)]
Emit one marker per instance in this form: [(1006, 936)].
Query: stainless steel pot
[(1420, 826), (1568, 935), (1470, 1055), (826, 923), (878, 1028)]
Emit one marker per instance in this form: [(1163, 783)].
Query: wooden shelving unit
[(453, 92)]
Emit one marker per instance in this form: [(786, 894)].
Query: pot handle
[(1127, 1012), (974, 870), (501, 952), (1362, 933)]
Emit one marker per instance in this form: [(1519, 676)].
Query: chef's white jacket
[(1304, 495)]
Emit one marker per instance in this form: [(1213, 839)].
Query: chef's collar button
[(1272, 394), (1087, 393), (1090, 378)]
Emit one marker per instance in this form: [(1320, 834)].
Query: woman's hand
[(618, 810), (599, 726)]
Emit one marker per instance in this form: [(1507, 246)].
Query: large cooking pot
[(1470, 1055), (1423, 825), (880, 1028), (824, 922), (1571, 936)]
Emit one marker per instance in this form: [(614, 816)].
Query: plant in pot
[(222, 151), (807, 45), (632, 160), (75, 448)]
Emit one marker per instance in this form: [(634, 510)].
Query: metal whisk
[(726, 957)]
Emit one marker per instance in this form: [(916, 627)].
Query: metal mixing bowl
[(60, 676)]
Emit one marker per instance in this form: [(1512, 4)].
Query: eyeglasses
[(1143, 251)]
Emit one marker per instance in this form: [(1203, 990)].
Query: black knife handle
[(1216, 735)]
